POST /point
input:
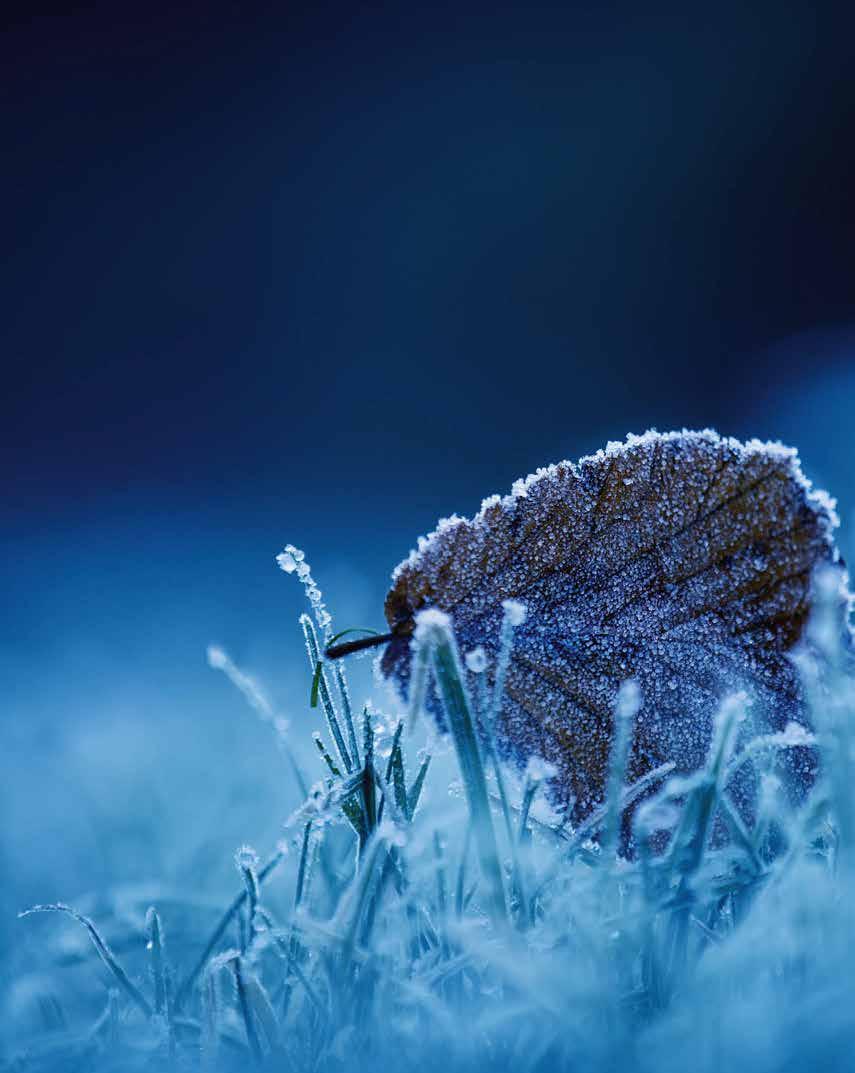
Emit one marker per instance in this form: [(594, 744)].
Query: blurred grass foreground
[(426, 906)]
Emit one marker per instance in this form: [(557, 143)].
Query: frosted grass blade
[(240, 900), (158, 973), (104, 952), (246, 1012), (318, 670), (433, 629)]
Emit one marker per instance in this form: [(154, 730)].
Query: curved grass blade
[(104, 952)]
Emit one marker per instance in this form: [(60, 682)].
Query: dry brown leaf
[(681, 560)]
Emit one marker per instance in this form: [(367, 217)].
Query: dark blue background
[(322, 275)]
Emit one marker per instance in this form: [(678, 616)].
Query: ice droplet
[(287, 562)]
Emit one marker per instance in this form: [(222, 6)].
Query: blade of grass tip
[(253, 694), (767, 810), (315, 662), (397, 815), (433, 628), (303, 866), (396, 741), (237, 904), (416, 789), (399, 781), (369, 797), (104, 952), (419, 675), (529, 791), (739, 831), (246, 1012), (246, 862), (301, 890), (691, 836), (155, 946), (335, 770), (630, 794), (627, 706), (514, 615), (293, 560), (255, 697)]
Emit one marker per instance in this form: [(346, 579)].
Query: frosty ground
[(425, 905)]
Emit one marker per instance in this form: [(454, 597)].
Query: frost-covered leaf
[(680, 560)]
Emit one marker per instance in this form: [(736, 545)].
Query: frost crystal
[(537, 770), (287, 562), (246, 858), (628, 700), (681, 561), (476, 660), (293, 560), (514, 611)]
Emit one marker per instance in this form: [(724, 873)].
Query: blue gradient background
[(323, 276)]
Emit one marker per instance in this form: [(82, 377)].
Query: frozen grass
[(397, 930)]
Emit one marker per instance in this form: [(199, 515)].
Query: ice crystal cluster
[(682, 561), (293, 561)]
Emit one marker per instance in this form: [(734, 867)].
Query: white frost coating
[(523, 487), (217, 658), (293, 560), (539, 770), (795, 734), (628, 702), (431, 622), (287, 562), (247, 859), (476, 660), (515, 612)]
